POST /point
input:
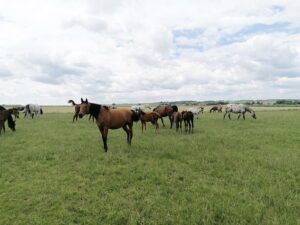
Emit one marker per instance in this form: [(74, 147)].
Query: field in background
[(53, 171), (70, 109)]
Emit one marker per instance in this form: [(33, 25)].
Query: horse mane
[(94, 109), (71, 101), (2, 108), (175, 108)]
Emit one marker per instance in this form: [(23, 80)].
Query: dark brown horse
[(76, 108), (216, 108), (107, 118), (188, 118), (149, 117), (177, 118), (6, 115), (166, 110)]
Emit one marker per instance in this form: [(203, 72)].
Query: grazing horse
[(238, 109), (216, 108), (16, 113), (107, 118), (196, 111), (6, 115), (149, 117), (177, 118), (188, 118), (166, 110), (33, 110)]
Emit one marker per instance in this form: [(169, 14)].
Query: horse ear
[(81, 100), (86, 100)]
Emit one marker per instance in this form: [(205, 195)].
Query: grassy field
[(53, 171)]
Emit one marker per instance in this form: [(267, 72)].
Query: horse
[(196, 111), (16, 113), (166, 110), (188, 118), (77, 108), (6, 115), (33, 110), (149, 117), (216, 108), (240, 109), (177, 118), (107, 118)]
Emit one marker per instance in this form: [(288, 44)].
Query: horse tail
[(11, 122), (135, 115), (28, 109), (71, 101), (41, 111), (175, 108)]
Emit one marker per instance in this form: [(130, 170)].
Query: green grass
[(53, 171)]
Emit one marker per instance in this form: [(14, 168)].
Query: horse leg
[(229, 116), (171, 121), (224, 115), (239, 116), (125, 128), (244, 116), (104, 132), (130, 131), (162, 121)]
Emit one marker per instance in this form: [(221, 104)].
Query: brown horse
[(107, 118), (76, 108), (177, 118), (166, 110), (149, 117), (188, 118), (6, 115)]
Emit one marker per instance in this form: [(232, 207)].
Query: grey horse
[(240, 109)]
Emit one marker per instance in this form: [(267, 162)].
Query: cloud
[(143, 51)]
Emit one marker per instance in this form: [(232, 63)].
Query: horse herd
[(114, 118)]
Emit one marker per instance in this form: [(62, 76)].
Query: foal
[(188, 118), (177, 118), (149, 117)]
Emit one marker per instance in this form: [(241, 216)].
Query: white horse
[(196, 111), (33, 110), (238, 109), (140, 107)]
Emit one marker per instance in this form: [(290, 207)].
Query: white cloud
[(133, 51)]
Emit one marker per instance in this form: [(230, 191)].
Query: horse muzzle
[(80, 115)]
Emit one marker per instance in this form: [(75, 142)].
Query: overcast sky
[(143, 51)]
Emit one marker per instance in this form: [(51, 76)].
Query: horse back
[(114, 118)]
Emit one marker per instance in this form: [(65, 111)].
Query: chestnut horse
[(166, 110), (107, 118), (188, 118), (149, 117), (177, 118)]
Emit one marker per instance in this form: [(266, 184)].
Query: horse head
[(83, 108)]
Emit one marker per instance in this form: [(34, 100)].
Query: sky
[(140, 51)]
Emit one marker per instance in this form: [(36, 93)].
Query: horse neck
[(248, 109), (94, 109)]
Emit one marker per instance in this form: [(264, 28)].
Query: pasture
[(53, 171)]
